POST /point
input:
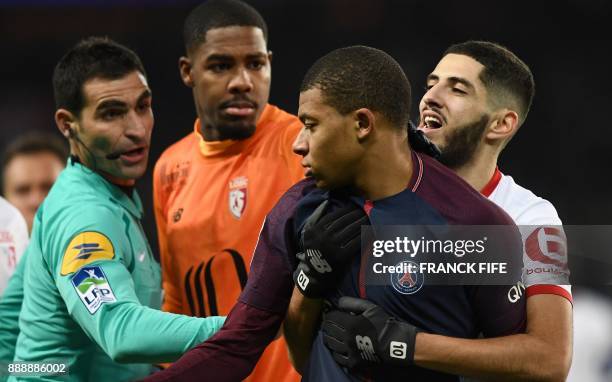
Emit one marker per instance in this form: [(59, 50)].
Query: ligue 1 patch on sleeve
[(85, 248), (93, 288)]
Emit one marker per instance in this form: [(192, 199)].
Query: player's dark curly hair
[(217, 14), (93, 57), (359, 76), (505, 76)]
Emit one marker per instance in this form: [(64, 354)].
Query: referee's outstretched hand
[(330, 241), (360, 334)]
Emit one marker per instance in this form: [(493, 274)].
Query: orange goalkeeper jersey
[(210, 201)]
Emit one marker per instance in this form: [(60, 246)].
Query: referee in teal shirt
[(91, 287)]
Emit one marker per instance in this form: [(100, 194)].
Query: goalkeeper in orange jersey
[(213, 188)]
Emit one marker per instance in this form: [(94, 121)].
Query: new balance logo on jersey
[(364, 345), (317, 261)]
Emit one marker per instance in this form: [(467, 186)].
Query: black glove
[(329, 241), (360, 335), (420, 143)]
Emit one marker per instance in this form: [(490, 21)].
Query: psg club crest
[(410, 280), (238, 196)]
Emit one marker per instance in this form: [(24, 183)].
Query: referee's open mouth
[(133, 156)]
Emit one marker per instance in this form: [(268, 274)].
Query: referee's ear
[(185, 66), (65, 122)]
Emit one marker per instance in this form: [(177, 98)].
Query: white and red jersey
[(544, 252), (13, 240)]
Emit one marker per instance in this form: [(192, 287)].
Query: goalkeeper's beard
[(236, 130)]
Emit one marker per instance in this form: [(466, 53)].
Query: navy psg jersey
[(435, 196)]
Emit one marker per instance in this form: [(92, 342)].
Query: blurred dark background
[(561, 153)]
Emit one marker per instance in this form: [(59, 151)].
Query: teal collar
[(107, 189)]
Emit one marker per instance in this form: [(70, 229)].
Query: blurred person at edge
[(13, 241), (30, 165)]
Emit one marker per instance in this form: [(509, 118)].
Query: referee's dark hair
[(218, 14), (93, 57), (359, 76), (507, 78)]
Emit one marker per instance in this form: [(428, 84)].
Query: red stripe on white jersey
[(488, 189), (559, 290)]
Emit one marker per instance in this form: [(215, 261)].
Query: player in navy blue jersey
[(396, 187), (354, 104)]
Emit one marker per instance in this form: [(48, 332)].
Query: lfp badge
[(93, 288)]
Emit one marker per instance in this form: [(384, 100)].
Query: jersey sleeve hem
[(558, 290)]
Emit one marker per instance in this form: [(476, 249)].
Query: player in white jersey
[(477, 97), (545, 259), (13, 240)]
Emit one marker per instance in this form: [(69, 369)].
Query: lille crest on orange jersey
[(238, 196)]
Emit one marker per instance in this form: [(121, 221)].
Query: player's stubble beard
[(225, 129), (237, 128), (237, 131), (461, 144)]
